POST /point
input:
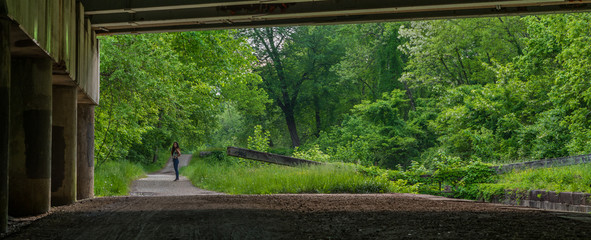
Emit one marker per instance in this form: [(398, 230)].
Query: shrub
[(312, 154), (260, 140)]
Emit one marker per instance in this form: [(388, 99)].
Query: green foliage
[(269, 179), (424, 98), (392, 175), (260, 140), (161, 88), (312, 154), (232, 129), (372, 60), (113, 178), (575, 178), (460, 177), (514, 89), (457, 52), (376, 133), (162, 159)]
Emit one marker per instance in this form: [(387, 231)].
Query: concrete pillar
[(63, 145), (30, 136), (85, 151), (4, 114)]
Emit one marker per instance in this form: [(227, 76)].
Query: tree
[(293, 60), (458, 52), (372, 64)]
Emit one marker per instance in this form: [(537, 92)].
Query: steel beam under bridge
[(137, 16)]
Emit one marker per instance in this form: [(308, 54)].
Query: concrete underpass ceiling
[(136, 16)]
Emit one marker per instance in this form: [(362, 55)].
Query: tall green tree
[(294, 60)]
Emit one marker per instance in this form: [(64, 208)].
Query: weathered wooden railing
[(268, 157)]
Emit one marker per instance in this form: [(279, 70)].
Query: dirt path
[(161, 183), (162, 209), (339, 216)]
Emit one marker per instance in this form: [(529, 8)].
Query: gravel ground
[(161, 183), (199, 214)]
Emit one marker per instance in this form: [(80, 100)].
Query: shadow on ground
[(342, 216)]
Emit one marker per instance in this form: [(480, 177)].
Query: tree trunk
[(410, 97), (291, 126), (513, 39), (284, 100), (462, 68), (159, 126), (317, 117), (155, 158), (453, 76), (317, 114)]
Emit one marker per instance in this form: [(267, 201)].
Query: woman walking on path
[(175, 152)]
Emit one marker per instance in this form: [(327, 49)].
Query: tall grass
[(576, 178), (113, 178), (235, 178)]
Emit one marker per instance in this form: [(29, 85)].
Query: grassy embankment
[(224, 174), (477, 181), (113, 178), (576, 178), (467, 180)]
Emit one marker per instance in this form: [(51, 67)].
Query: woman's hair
[(174, 148)]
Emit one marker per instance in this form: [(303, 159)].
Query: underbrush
[(451, 177), (113, 178), (231, 176)]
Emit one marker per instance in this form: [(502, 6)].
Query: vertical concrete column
[(30, 136), (4, 114), (85, 151), (63, 145)]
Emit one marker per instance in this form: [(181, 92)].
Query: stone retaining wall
[(563, 201), (544, 163)]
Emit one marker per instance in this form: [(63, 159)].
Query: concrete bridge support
[(63, 145), (30, 136), (4, 114), (85, 151), (52, 52)]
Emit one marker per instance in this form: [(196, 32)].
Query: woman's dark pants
[(175, 162)]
